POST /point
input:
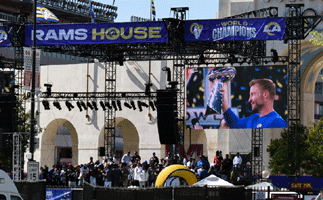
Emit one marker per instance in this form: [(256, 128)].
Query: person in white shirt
[(126, 158), (237, 161), (143, 176)]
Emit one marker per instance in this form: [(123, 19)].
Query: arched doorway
[(310, 65), (127, 137), (49, 152)]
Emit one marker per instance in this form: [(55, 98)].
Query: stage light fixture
[(152, 106), (107, 104), (120, 60), (147, 89), (141, 104), (232, 59), (83, 105), (144, 104), (274, 54), (119, 105), (201, 59), (57, 105), (114, 105), (102, 105), (167, 69), (132, 103), (89, 105), (69, 105), (79, 106), (46, 105), (48, 89), (127, 105), (95, 106)]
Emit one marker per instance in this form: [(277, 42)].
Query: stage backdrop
[(199, 89)]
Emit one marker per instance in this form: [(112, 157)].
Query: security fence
[(167, 193), (39, 191)]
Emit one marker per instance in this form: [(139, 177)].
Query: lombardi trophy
[(218, 77)]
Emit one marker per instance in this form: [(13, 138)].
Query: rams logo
[(196, 29), (3, 35), (271, 28)]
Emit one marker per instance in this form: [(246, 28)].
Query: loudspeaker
[(8, 112), (166, 105), (101, 151)]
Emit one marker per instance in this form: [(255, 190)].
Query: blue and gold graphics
[(4, 38), (235, 29), (107, 33), (43, 14)]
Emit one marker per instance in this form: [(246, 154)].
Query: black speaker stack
[(167, 118)]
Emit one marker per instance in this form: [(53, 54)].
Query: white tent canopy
[(213, 180), (262, 186)]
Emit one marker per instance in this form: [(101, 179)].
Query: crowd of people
[(131, 171)]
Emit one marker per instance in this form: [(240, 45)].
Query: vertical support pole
[(32, 108)]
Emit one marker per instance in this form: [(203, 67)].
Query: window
[(321, 109), (318, 88)]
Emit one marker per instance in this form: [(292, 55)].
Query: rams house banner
[(235, 29), (104, 33)]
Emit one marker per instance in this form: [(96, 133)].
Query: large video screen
[(255, 97)]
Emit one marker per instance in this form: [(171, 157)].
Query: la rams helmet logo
[(196, 29), (271, 28), (3, 35)]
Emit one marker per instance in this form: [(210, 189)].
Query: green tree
[(278, 151), (314, 164), (317, 38)]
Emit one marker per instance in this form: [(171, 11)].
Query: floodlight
[(69, 105), (114, 105), (79, 106), (274, 54), (119, 105), (152, 106), (127, 105), (95, 105), (133, 104), (102, 105), (57, 105), (46, 105)]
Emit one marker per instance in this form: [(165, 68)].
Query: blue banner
[(105, 33), (58, 194), (4, 38), (235, 29)]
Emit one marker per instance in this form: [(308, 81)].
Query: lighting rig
[(131, 100)]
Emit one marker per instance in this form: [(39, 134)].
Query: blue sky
[(198, 9)]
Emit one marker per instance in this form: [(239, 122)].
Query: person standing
[(237, 161), (154, 159), (135, 158), (126, 158), (226, 167), (124, 174)]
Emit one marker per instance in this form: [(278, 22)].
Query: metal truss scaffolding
[(16, 157), (251, 53), (257, 151), (295, 32), (110, 114)]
